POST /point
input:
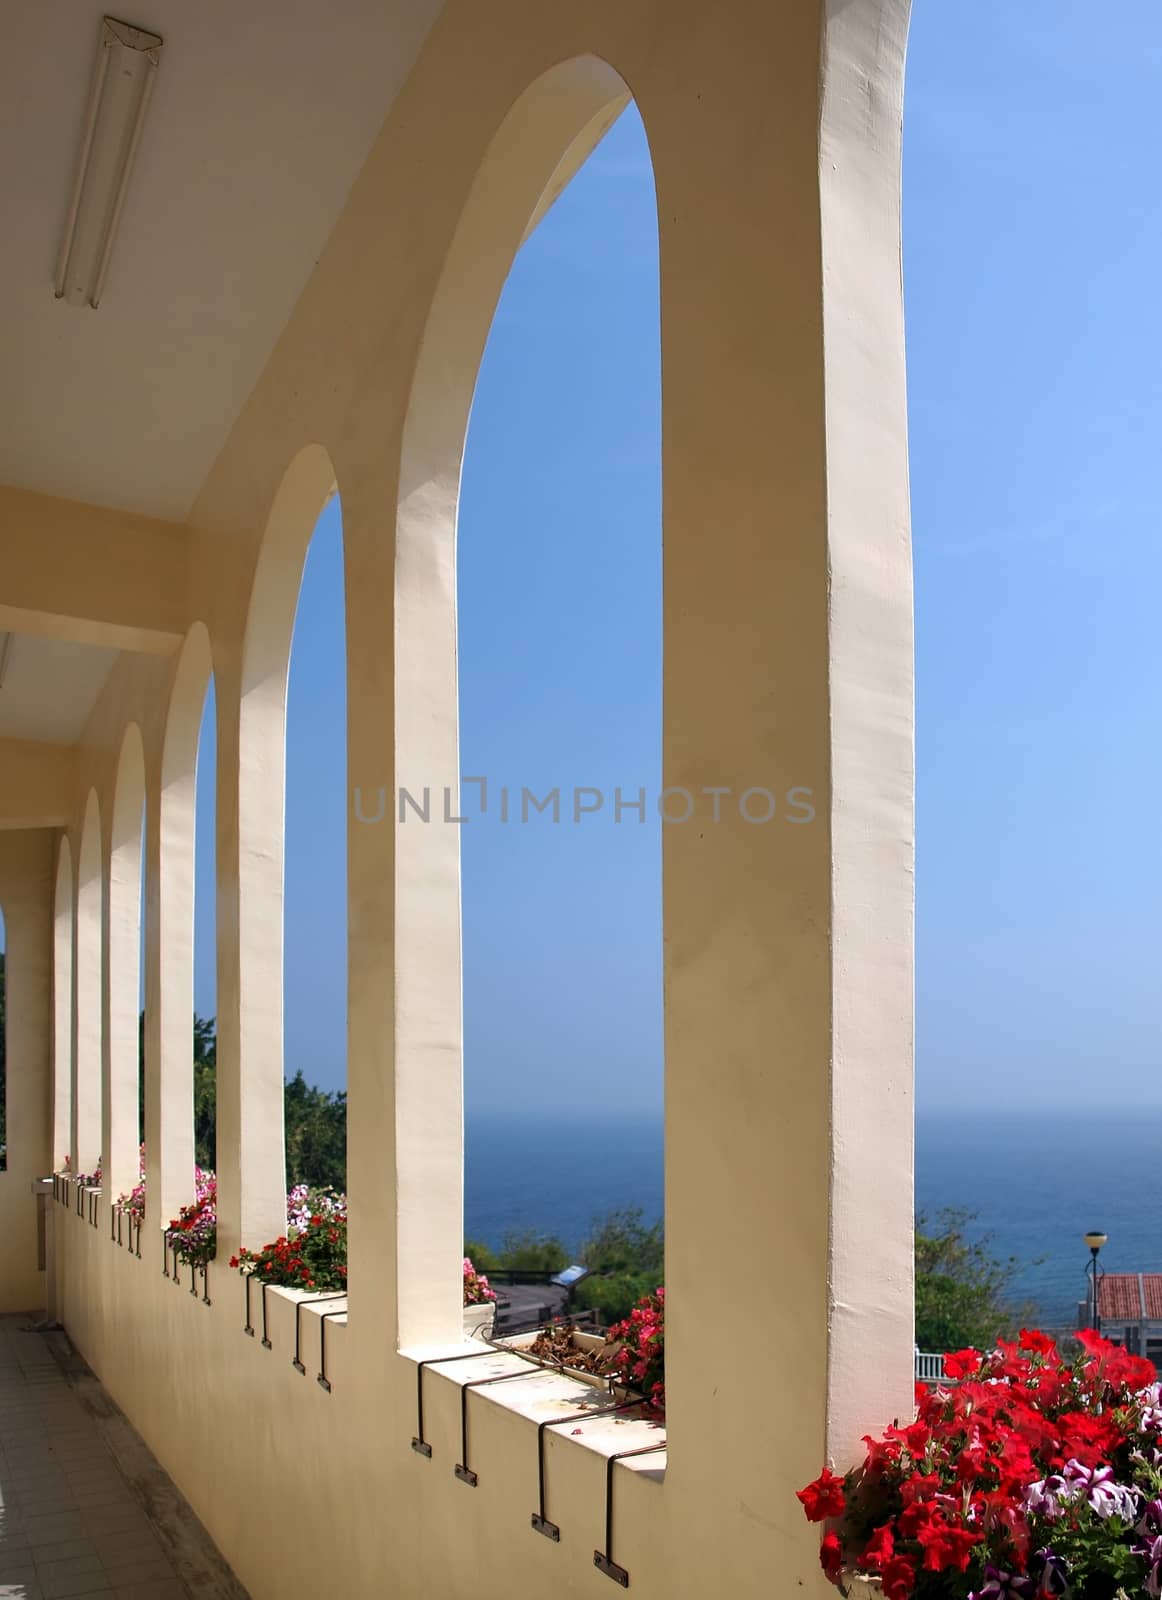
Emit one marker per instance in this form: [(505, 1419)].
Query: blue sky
[(1032, 246)]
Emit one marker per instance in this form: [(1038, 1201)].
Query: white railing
[(930, 1368)]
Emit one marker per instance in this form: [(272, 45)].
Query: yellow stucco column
[(62, 1002), (170, 799), (26, 897), (251, 1158), (122, 972), (788, 718), (88, 961), (405, 1141)]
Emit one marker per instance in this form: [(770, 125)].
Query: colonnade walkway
[(85, 1509)]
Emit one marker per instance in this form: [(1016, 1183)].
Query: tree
[(626, 1261), (624, 1257), (205, 1093), (961, 1288), (316, 1121), (620, 1242), (530, 1251), (482, 1256), (205, 1059), (316, 1134)]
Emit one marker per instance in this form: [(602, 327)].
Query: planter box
[(580, 1341), (480, 1320)]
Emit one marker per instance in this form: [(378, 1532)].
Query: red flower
[(1087, 1438), (915, 1436), (962, 1363), (1016, 1459), (939, 1496), (830, 1555), (1093, 1343), (1031, 1339), (879, 1549), (824, 1498), (917, 1516), (920, 1486), (945, 1546), (881, 1453), (970, 1463), (898, 1578)]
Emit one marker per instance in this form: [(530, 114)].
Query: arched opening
[(315, 965), (205, 1008), (536, 149), (559, 584), (85, 1142), (1033, 339), (121, 1077), (169, 956), (251, 1139), (62, 1008)]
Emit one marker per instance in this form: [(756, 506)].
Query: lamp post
[(1095, 1239)]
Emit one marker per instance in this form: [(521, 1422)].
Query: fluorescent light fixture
[(123, 78), (5, 655)]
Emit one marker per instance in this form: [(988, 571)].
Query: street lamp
[(1095, 1239)]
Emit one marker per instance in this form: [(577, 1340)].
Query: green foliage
[(312, 1255), (205, 1094), (316, 1121), (624, 1257), (614, 1297), (961, 1288), (316, 1135), (626, 1261), (620, 1242), (528, 1252), (481, 1256), (205, 1058)]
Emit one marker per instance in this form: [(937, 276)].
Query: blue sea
[(1036, 1181)]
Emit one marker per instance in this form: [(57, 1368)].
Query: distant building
[(1130, 1311)]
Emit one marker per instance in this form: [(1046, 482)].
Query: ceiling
[(261, 117), (49, 688)]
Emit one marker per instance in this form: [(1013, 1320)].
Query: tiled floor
[(71, 1524)]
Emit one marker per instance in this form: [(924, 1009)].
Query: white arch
[(169, 958), (62, 991), (88, 945), (120, 1070), (405, 1031), (251, 813)]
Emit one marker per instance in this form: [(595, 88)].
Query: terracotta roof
[(1124, 1296)]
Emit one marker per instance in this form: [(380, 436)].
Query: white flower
[(1046, 1496), (1097, 1487)]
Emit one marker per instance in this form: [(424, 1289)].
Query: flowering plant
[(312, 1254), (304, 1202), (1034, 1477), (477, 1291), (193, 1237), (87, 1180), (640, 1356), (133, 1204)]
